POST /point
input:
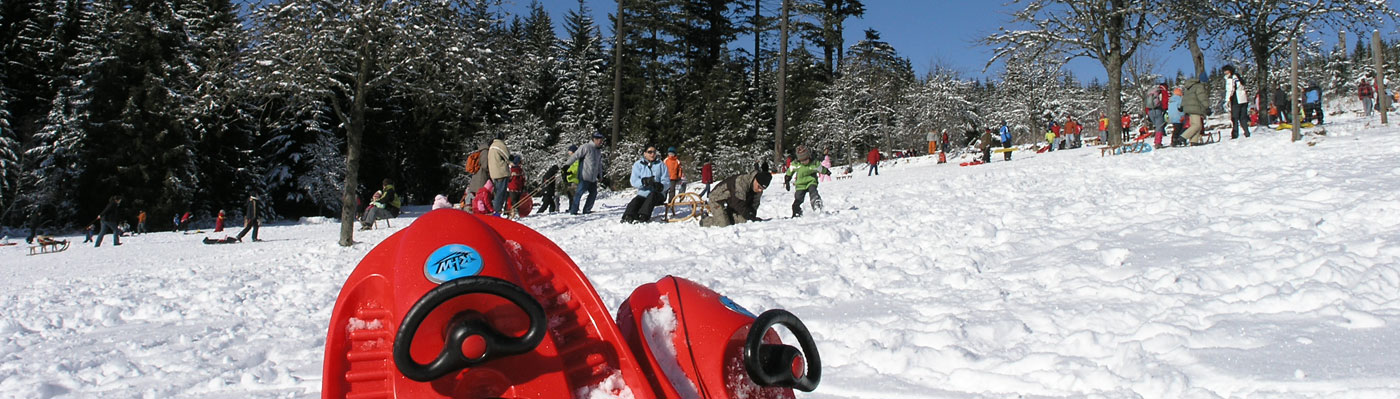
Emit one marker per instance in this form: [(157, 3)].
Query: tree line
[(193, 105)]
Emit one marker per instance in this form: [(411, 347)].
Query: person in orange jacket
[(141, 222), (673, 165)]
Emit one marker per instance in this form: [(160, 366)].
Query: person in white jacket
[(1237, 101)]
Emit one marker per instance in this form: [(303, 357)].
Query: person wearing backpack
[(480, 171), (1238, 102), (1158, 99), (1366, 92)]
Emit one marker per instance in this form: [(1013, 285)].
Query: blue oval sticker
[(452, 262)]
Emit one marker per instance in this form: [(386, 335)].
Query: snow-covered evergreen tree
[(584, 108)]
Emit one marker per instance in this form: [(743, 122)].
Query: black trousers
[(254, 227), (550, 202), (639, 210), (802, 195)]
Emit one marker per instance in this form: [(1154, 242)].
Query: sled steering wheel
[(778, 365), (465, 326)]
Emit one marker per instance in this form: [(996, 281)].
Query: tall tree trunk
[(1261, 68), (1198, 58), (1114, 65), (354, 136), (617, 74), (757, 43)]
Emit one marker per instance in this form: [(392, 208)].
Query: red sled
[(464, 306), (972, 163)]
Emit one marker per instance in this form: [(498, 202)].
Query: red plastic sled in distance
[(464, 306)]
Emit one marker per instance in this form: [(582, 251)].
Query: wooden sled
[(1137, 147), (681, 202), (48, 246)]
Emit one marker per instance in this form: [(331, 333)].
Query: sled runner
[(458, 305), (686, 206), (48, 245)]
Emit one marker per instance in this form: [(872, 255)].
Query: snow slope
[(1254, 268)]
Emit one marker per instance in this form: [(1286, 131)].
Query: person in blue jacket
[(1313, 103), (1006, 139), (1175, 116), (650, 177)]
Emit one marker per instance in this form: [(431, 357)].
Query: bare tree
[(1264, 27), (1187, 18), (1106, 30)]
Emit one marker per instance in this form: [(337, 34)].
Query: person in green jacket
[(570, 179), (806, 171), (1196, 106)]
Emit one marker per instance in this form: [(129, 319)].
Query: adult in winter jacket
[(1238, 100), (673, 165), (1006, 139), (1072, 131), (250, 219), (387, 206), (652, 179), (873, 158), (1366, 92), (1312, 105), (110, 219), (141, 222), (736, 199), (1284, 105), (499, 159), (1196, 105), (986, 145), (803, 174), (1174, 115), (590, 169), (483, 174)]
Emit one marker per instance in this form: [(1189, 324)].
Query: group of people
[(110, 220)]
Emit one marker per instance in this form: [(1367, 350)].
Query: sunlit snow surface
[(1253, 268)]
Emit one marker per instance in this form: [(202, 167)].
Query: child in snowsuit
[(89, 235), (219, 222), (482, 203), (1050, 141), (826, 163), (515, 188), (550, 181), (806, 171)]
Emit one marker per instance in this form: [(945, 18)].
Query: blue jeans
[(499, 199), (116, 233), (590, 187)]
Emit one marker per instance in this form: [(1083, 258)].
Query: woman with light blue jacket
[(652, 180)]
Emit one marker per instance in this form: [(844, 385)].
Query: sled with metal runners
[(48, 245)]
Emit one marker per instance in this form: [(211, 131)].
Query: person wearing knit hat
[(673, 169), (805, 169), (736, 199)]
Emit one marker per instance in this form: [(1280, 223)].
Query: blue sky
[(926, 32)]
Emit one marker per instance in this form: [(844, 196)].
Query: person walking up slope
[(1006, 140), (806, 171), (590, 169)]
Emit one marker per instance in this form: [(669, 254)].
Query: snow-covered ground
[(1253, 268)]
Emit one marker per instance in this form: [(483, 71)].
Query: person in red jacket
[(515, 187), (874, 159), (707, 176), (219, 222)]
